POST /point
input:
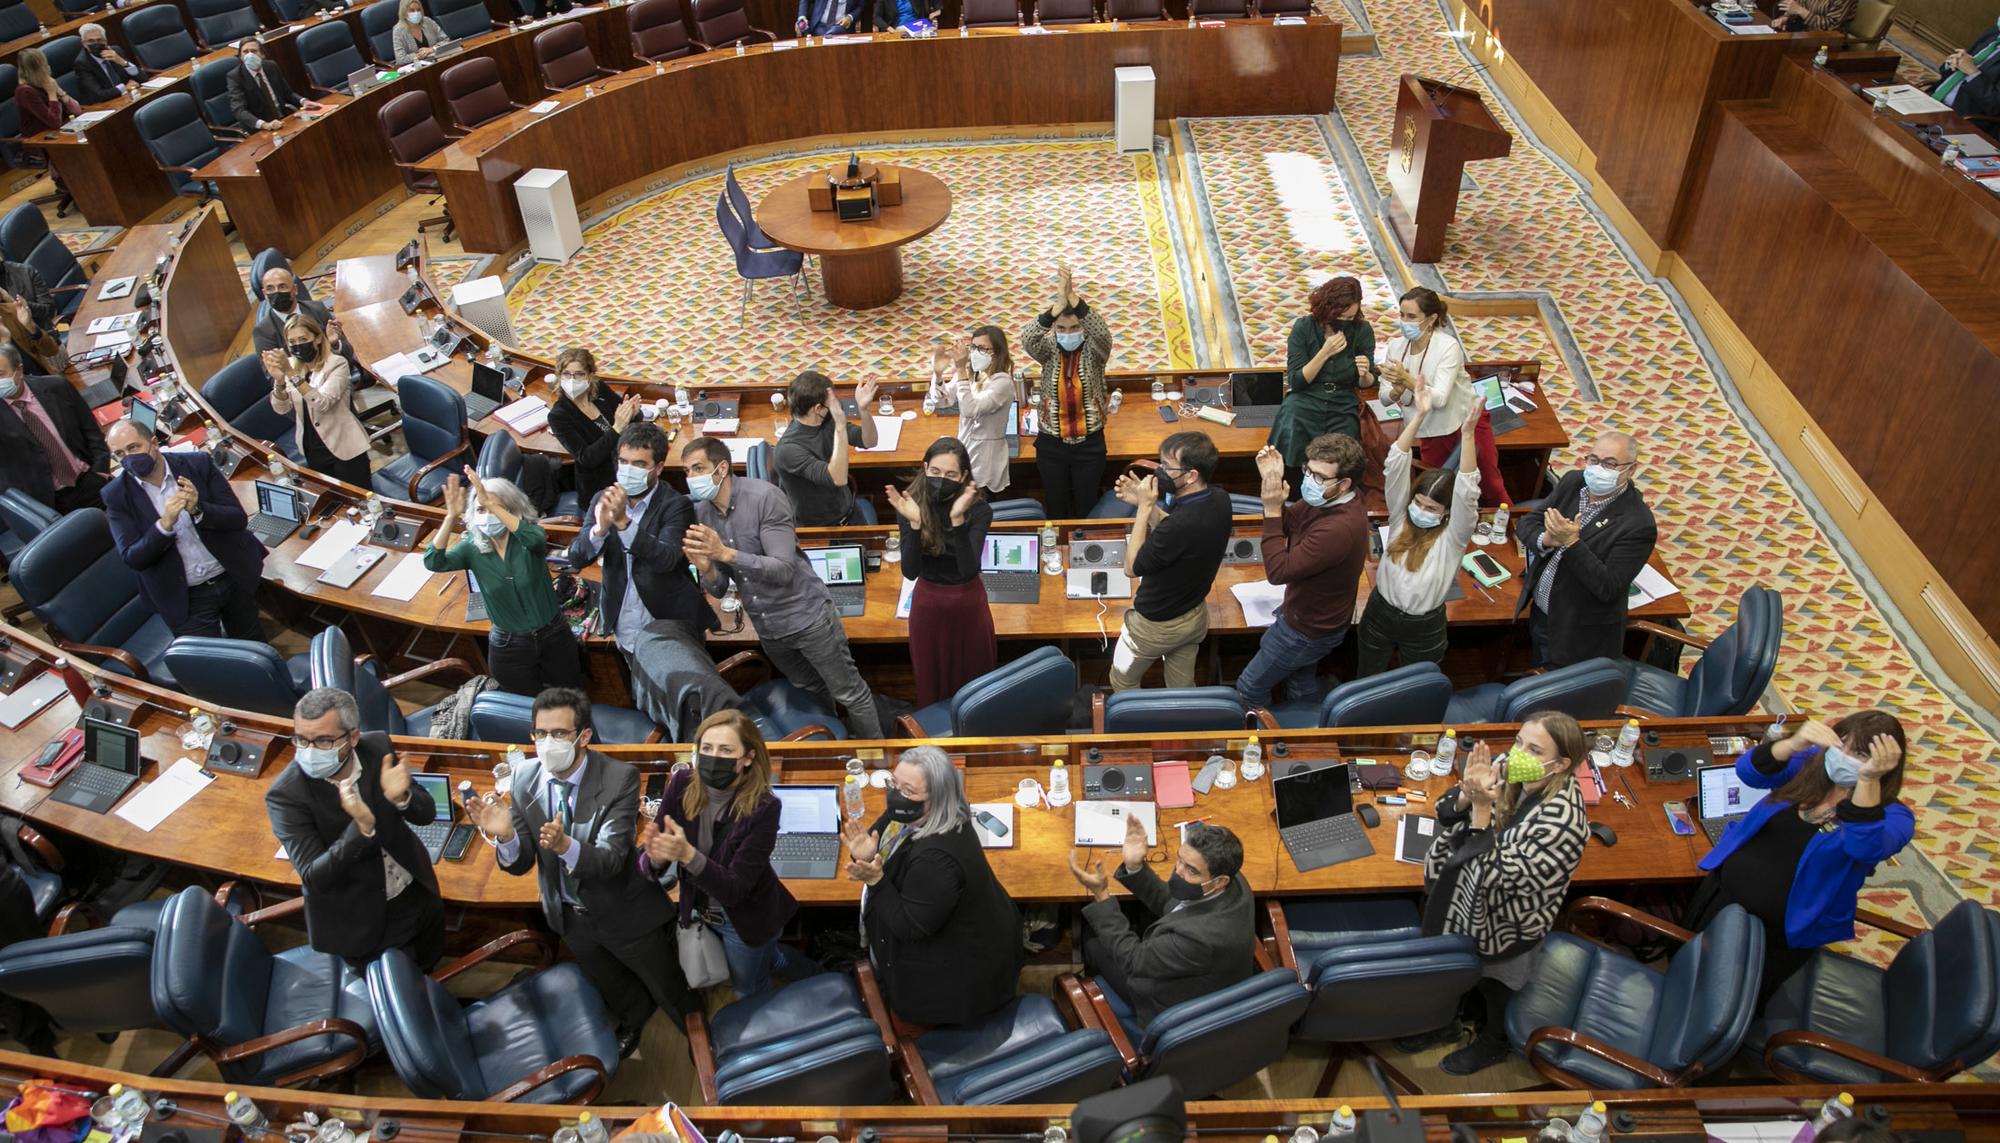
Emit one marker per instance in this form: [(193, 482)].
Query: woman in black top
[(944, 518), (944, 937), (587, 419)]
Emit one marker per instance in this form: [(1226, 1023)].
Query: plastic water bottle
[(1058, 791), (739, 47), (732, 603), (1115, 402), (589, 90), (1775, 732), (1628, 744), (374, 510), (246, 1115), (659, 68), (1447, 752), (1951, 154), (1835, 1109), (590, 1129), (1819, 57), (1500, 524), (516, 759), (1589, 1125), (1253, 760), (850, 796), (203, 722), (130, 1106), (1342, 1126)]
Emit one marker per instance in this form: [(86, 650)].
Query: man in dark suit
[(636, 528), (259, 97), (177, 523), (572, 821), (282, 299), (1969, 79), (343, 811), (1204, 936), (50, 445), (101, 73), (1585, 546)]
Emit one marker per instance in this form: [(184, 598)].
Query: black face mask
[(943, 488), (1165, 482), (304, 351), (716, 773), (99, 49), (903, 808), (281, 300), (1181, 889)]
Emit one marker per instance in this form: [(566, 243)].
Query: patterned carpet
[(658, 290)]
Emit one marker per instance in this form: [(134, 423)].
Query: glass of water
[(886, 407), (892, 548)]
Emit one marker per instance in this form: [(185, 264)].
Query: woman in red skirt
[(944, 518)]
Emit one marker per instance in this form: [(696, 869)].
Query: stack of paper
[(530, 414), (1648, 586), (888, 434), (545, 106), (409, 577), (1907, 100), (1259, 600), (335, 542), (397, 366), (739, 448), (165, 794)]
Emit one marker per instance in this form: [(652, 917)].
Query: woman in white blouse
[(309, 382), (982, 384), (1425, 353), (1427, 537)]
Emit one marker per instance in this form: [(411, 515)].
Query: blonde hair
[(32, 68), (751, 785), (301, 321), (403, 9)]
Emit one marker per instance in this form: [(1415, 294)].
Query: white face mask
[(980, 360), (575, 387), (415, 17), (557, 757)]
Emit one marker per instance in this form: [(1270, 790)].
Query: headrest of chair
[(74, 550), (785, 1012), (211, 974), (1253, 998), (98, 980), (560, 40), (500, 716), (1941, 994), (411, 127), (152, 22), (1590, 689), (1031, 695), (1411, 695), (237, 386), (159, 117), (24, 515), (324, 39), (649, 14), (432, 402), (240, 673), (1174, 708), (500, 457), (1710, 992), (1363, 957), (331, 660), (474, 74), (424, 1030)]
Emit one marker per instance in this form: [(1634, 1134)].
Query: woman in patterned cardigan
[(1510, 836)]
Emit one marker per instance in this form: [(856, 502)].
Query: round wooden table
[(861, 263)]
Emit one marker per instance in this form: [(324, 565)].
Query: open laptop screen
[(837, 565), (278, 500), (1724, 795), (1313, 796), (111, 746), (1009, 553), (807, 809), (438, 786)]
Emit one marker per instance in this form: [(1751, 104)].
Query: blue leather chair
[(239, 673), (1378, 983), (1590, 689), (10, 114), (1031, 695), (262, 1019), (330, 55), (1732, 672), (500, 456), (810, 1042), (271, 258), (461, 18), (174, 131), (210, 83), (1212, 1041), (24, 516), (1593, 1017), (158, 37), (757, 465), (332, 664), (1022, 509), (1023, 1053), (25, 237), (1934, 1012), (73, 8), (378, 24), (1414, 694), (434, 430), (545, 1038), (498, 716), (74, 581), (17, 21), (240, 393), (753, 264), (95, 981), (62, 54), (783, 711), (222, 22), (1166, 710)]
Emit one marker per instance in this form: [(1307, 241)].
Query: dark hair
[(10, 351), (1428, 303), (563, 698), (1810, 786), (1217, 846), (710, 447), (1332, 297), (807, 390), (1003, 362), (248, 42), (1195, 450), (934, 520), (1409, 544), (1339, 450), (648, 436)]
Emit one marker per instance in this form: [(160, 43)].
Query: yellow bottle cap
[(231, 1096), (1597, 1105), (1345, 1110), (1846, 1100)]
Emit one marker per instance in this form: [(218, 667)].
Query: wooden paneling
[(203, 304)]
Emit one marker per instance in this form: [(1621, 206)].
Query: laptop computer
[(438, 786), (843, 569), (475, 605), (143, 415), (111, 763), (1010, 566), (1721, 797), (280, 511), (489, 392), (808, 844), (1316, 818), (360, 80)]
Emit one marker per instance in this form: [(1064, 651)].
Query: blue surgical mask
[(1842, 768), (139, 464), (1312, 490), (1423, 517), (634, 479), (1070, 342), (317, 762), (1411, 330), (1600, 480), (702, 489), (488, 524), (9, 388)]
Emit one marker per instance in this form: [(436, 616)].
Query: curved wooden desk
[(861, 263)]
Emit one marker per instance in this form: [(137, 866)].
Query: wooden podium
[(1439, 128)]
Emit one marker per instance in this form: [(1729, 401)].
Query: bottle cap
[(586, 1117), (1846, 1100), (1345, 1110), (231, 1096), (116, 1089), (1597, 1105)]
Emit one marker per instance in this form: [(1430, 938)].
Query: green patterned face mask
[(1525, 767)]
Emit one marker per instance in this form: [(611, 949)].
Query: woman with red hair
[(1330, 352)]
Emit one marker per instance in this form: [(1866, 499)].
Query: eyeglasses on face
[(1612, 463)]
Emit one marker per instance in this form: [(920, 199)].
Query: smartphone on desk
[(1677, 817), (456, 842)]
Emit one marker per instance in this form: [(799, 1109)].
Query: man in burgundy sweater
[(1314, 547)]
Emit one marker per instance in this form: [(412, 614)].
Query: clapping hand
[(1139, 490), (962, 506), (1135, 843), (862, 843), (396, 779), (357, 809), (666, 842), (627, 409), (1558, 529), (478, 485), (554, 839), (705, 548), (1483, 779), (1092, 877), (867, 872), (494, 819), (614, 510), (904, 506), (1361, 368), (1271, 471)]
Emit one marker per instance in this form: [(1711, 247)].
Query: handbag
[(702, 961)]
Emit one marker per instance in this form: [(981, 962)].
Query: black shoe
[(628, 1041), (1480, 1054), (1451, 1033)]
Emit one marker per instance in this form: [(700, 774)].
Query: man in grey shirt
[(745, 536)]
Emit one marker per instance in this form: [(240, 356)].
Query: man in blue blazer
[(178, 524)]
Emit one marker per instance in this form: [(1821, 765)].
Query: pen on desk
[(1628, 789), (446, 585)]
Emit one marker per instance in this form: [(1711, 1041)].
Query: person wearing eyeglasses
[(1203, 933), (573, 821), (1585, 546), (530, 645), (343, 810), (586, 420)]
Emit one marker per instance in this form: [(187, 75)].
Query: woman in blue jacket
[(1798, 858)]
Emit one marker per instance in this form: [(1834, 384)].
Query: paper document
[(530, 414), (117, 288), (1648, 586), (1770, 1131), (84, 122), (409, 577), (165, 794), (545, 106), (110, 323), (112, 341), (1410, 849), (1907, 100), (158, 82), (903, 599), (29, 698), (1259, 601), (987, 838), (396, 366), (1103, 823), (333, 543), (1753, 28), (1385, 412), (888, 433), (739, 448)]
